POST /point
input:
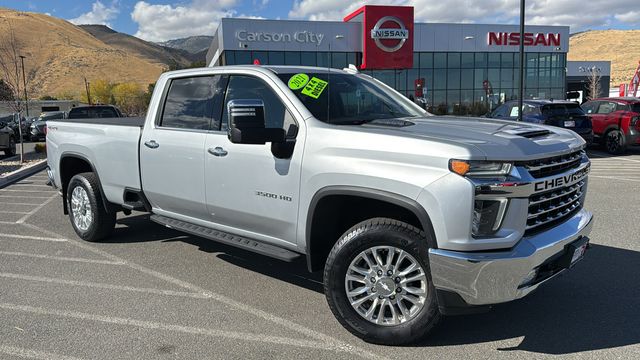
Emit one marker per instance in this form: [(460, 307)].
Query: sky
[(155, 20)]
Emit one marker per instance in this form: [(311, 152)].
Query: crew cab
[(409, 216), (616, 122)]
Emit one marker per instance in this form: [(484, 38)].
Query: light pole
[(26, 106), (521, 65)]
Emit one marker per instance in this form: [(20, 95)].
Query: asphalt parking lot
[(154, 293)]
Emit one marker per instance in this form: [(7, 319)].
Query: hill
[(59, 55), (191, 44), (143, 49), (618, 46)]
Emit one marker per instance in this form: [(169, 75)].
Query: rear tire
[(614, 142), (380, 311), (87, 213), (11, 150)]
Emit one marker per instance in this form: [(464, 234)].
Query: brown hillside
[(618, 46), (59, 55)]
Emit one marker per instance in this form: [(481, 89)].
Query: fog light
[(487, 216), (531, 276)]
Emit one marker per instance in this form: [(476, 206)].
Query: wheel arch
[(392, 203), (71, 164)]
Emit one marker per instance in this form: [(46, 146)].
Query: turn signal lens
[(459, 167)]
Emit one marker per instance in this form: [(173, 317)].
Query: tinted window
[(192, 102), (635, 107), (590, 107), (251, 88), (103, 112), (562, 109), (501, 111)]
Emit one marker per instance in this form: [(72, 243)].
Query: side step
[(226, 238)]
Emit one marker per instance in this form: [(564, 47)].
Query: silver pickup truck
[(410, 216)]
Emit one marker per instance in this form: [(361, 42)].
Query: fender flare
[(375, 194), (72, 154)]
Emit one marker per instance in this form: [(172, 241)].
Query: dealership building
[(451, 68)]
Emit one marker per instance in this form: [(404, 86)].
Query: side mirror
[(247, 123)]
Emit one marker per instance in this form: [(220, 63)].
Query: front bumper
[(484, 278)]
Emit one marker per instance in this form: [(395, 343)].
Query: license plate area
[(570, 123), (575, 252)]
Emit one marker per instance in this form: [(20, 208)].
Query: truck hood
[(495, 139)]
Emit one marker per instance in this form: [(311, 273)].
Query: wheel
[(378, 283), (614, 142), (11, 150), (88, 216)]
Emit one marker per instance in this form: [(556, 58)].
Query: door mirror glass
[(247, 123)]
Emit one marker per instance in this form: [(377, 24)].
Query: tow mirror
[(247, 123)]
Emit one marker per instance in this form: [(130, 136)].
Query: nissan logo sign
[(378, 33)]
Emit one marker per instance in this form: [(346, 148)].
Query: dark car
[(36, 129), (616, 122), (94, 111), (565, 114), (7, 136)]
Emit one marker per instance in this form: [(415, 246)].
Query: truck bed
[(110, 145)]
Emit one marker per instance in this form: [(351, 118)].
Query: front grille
[(552, 207), (553, 165)]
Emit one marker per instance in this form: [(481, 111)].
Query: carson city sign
[(378, 33), (298, 36), (530, 39)]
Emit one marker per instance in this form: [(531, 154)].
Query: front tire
[(11, 150), (87, 213), (378, 283), (614, 142)]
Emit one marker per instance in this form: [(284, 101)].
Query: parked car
[(36, 129), (7, 136), (94, 111), (616, 122), (564, 114), (410, 216)]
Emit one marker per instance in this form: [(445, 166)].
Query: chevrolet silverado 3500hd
[(410, 216)]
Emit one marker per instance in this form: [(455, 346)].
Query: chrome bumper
[(483, 278)]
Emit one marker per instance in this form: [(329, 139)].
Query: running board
[(226, 238)]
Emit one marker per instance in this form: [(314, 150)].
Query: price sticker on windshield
[(315, 87), (298, 81)]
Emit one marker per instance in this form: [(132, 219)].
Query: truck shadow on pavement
[(594, 306)]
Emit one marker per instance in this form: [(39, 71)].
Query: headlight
[(474, 168)]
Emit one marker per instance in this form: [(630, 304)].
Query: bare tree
[(594, 83), (10, 49)]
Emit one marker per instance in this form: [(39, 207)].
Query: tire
[(11, 150), (614, 142), (87, 214), (374, 235)]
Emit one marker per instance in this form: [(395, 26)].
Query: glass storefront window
[(494, 60), (466, 79), (416, 60), (440, 60), (339, 60), (466, 60), (453, 79), (323, 59), (229, 57), (453, 60), (276, 57), (427, 74), (506, 78), (507, 60), (308, 58), (261, 56), (386, 76), (479, 77), (426, 60), (292, 58), (243, 57), (494, 78), (439, 79), (352, 59), (481, 60)]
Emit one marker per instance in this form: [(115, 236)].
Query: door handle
[(151, 144), (217, 151)]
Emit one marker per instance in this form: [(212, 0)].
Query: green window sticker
[(298, 81), (315, 87)]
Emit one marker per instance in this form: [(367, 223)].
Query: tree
[(593, 84), (10, 50), (130, 98), (6, 94), (100, 92), (47, 97)]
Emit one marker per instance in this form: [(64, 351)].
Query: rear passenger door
[(603, 117), (172, 159)]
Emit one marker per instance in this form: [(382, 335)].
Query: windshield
[(562, 110), (348, 99)]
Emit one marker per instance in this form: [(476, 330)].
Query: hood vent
[(531, 134)]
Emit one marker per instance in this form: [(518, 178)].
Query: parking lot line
[(26, 191), (151, 325), (22, 197), (30, 213), (59, 258), (33, 354), (103, 286), (27, 237), (12, 212), (335, 343)]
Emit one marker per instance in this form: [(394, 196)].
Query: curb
[(23, 173)]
